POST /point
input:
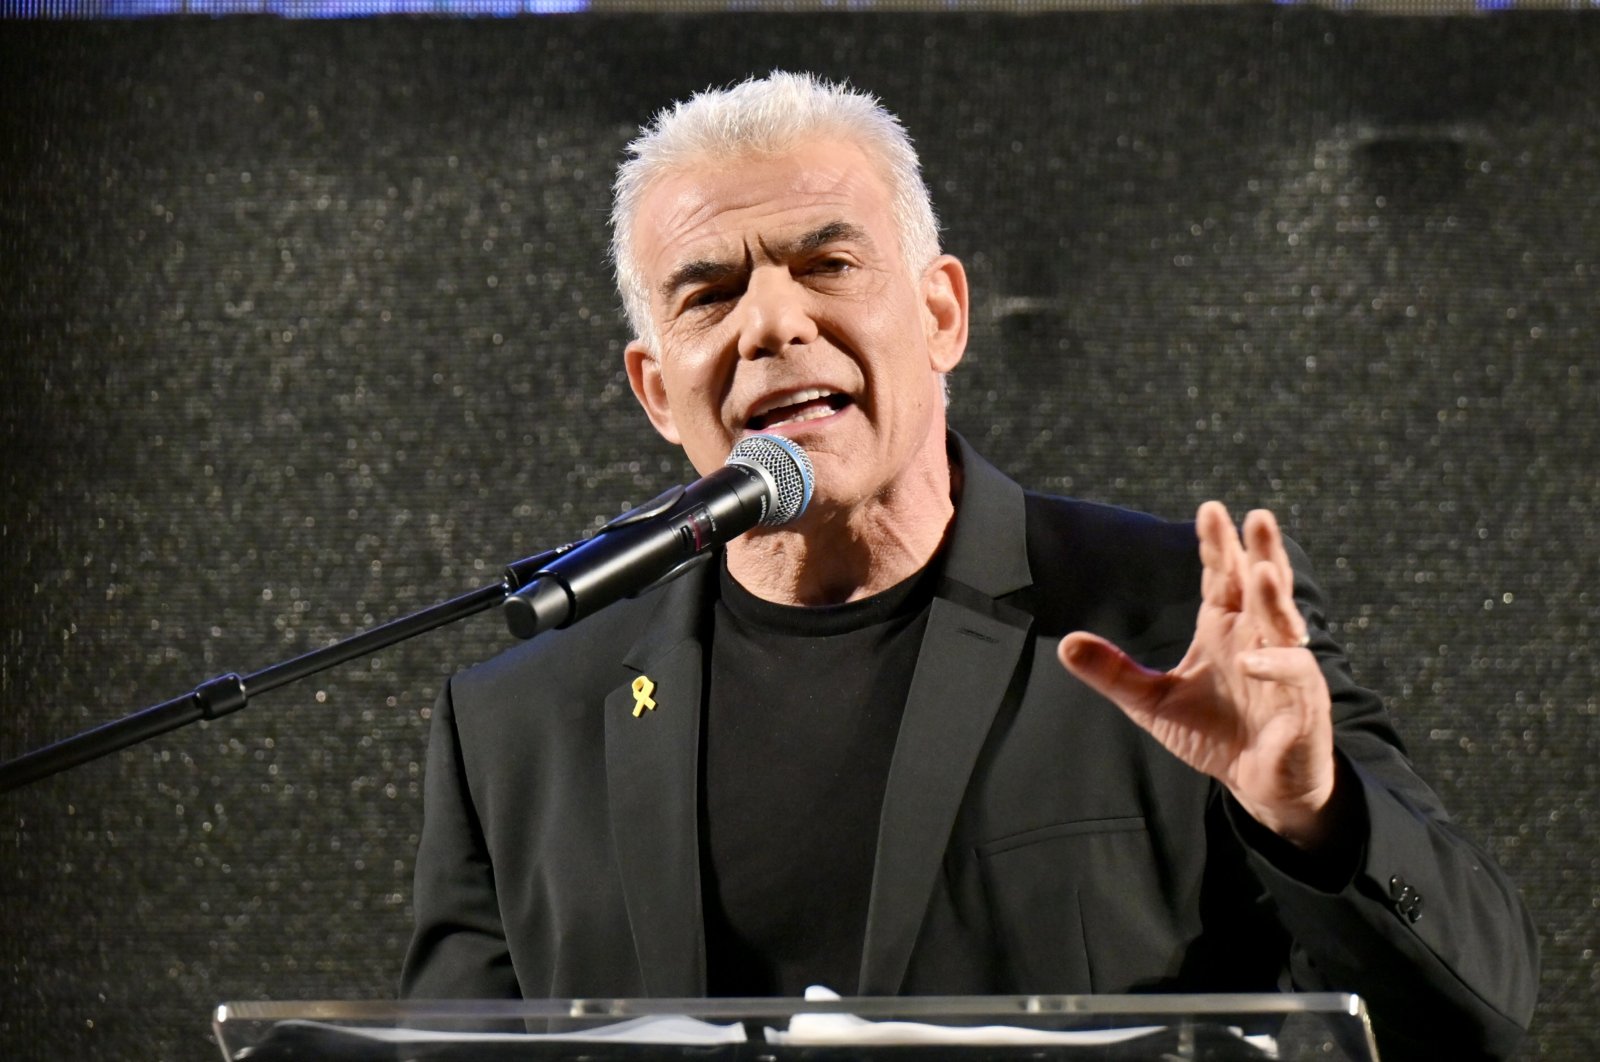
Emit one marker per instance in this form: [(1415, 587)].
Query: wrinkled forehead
[(733, 203)]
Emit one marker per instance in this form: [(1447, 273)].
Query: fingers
[(1299, 706), (1269, 602), (1286, 666), (1252, 576), (1109, 671), (1221, 556), (1270, 595), (1264, 541)]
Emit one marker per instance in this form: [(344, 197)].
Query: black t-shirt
[(804, 708)]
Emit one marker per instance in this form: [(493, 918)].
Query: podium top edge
[(1341, 1003)]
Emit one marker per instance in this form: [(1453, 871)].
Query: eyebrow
[(712, 270), (818, 238), (699, 271)]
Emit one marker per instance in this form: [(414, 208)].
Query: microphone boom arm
[(227, 694), (767, 480)]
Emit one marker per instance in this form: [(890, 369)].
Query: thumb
[(1108, 670)]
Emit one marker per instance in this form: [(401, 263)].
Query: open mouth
[(795, 408)]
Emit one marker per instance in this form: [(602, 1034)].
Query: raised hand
[(1247, 704)]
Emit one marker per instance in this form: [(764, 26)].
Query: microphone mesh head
[(786, 467)]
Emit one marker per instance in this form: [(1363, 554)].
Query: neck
[(833, 556)]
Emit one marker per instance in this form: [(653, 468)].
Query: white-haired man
[(894, 746)]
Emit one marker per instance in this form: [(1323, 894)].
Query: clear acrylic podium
[(1326, 1027)]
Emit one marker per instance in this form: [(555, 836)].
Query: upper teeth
[(794, 398)]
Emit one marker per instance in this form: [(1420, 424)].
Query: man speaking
[(937, 735)]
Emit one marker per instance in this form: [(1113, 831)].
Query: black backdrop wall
[(307, 325)]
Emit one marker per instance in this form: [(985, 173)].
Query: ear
[(944, 294), (644, 376)]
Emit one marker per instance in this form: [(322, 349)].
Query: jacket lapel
[(652, 781), (968, 656)]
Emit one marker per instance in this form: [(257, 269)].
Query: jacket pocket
[(1082, 907)]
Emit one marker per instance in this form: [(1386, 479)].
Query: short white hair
[(765, 116)]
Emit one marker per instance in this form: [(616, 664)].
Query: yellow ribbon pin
[(642, 688)]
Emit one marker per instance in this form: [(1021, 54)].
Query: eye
[(832, 265), (708, 297)]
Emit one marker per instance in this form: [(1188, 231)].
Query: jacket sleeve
[(1419, 921), (458, 946)]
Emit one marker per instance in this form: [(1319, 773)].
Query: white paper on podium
[(823, 1030)]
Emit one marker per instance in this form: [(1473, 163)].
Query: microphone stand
[(228, 693)]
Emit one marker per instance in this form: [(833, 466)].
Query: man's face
[(782, 303)]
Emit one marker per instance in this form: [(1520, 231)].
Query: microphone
[(766, 481)]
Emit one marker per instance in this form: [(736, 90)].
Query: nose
[(775, 314)]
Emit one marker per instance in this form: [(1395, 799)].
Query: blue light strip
[(335, 9), (308, 9)]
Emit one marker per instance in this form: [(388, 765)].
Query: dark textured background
[(303, 326)]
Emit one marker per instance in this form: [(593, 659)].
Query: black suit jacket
[(1031, 839)]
